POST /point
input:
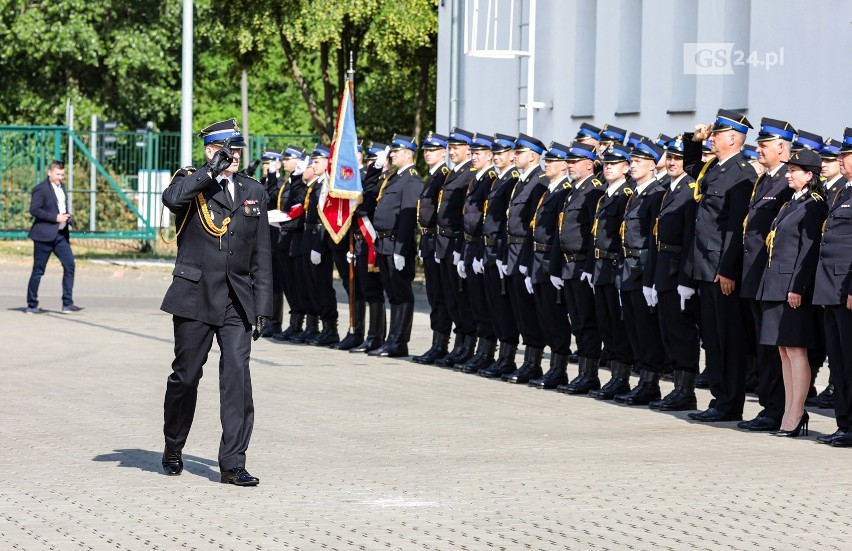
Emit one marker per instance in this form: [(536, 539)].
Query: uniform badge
[(250, 202)]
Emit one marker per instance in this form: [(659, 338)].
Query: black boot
[(703, 381), (581, 374), (375, 331), (458, 344), (588, 380), (824, 400), (438, 350), (645, 392), (556, 375), (684, 397), (402, 316), (466, 351), (311, 330), (328, 336), (274, 326), (618, 384), (295, 327), (355, 335), (483, 357), (655, 404), (505, 363), (530, 369)]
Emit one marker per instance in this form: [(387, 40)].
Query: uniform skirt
[(786, 326)]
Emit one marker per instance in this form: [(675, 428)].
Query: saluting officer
[(570, 258), (435, 154), (396, 223), (531, 185), (638, 296), (449, 243), (552, 310), (222, 286), (833, 290), (715, 260), (494, 239), (677, 309), (770, 192), (290, 200), (471, 268), (606, 248)]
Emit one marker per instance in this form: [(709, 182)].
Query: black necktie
[(228, 198)]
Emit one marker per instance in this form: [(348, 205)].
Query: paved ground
[(357, 453)]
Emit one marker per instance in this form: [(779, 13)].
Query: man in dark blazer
[(50, 235), (222, 286)]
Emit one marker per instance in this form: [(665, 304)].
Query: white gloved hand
[(273, 166), (557, 282), (504, 270), (654, 295), (456, 258), (461, 271), (315, 258), (381, 158), (586, 276), (523, 270), (649, 296), (420, 255), (300, 167), (398, 262), (685, 293), (437, 259), (528, 284), (478, 267), (350, 257)]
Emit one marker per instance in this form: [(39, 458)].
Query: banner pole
[(351, 83)]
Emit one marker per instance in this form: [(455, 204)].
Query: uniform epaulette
[(413, 172), (445, 170), (822, 178), (492, 174), (516, 174), (817, 196), (627, 191), (185, 169), (596, 182), (566, 185)]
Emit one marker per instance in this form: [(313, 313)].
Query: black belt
[(605, 255), (574, 257), (665, 247), (447, 233), (388, 233), (636, 253), (541, 248), (489, 241), (472, 238), (428, 231), (513, 239), (357, 235), (313, 226)]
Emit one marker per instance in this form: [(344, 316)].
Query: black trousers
[(611, 324), (584, 321), (770, 380), (318, 281), (724, 347), (342, 265), (526, 315), (41, 253), (553, 313), (458, 305), (478, 301), (818, 352), (291, 275), (193, 340), (439, 315), (367, 283), (500, 306), (679, 330), (643, 329), (838, 328), (396, 283)]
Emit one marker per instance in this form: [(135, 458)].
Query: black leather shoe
[(350, 341), (238, 476), (172, 463), (713, 415), (829, 438), (824, 400), (702, 381), (844, 441), (573, 359), (763, 424), (271, 330), (643, 393), (557, 374), (438, 350), (525, 374), (504, 365)]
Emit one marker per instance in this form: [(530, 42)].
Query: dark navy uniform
[(439, 316), (222, 284), (274, 183)]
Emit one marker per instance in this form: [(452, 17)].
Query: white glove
[(350, 258), (420, 255), (437, 259), (398, 262), (504, 270), (557, 282), (300, 167), (460, 269), (654, 295), (586, 276), (650, 298), (685, 293), (478, 267), (315, 258), (523, 270), (528, 284), (381, 158), (456, 258), (273, 166)]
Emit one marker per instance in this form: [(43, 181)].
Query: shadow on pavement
[(147, 460)]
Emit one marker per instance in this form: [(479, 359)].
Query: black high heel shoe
[(802, 427)]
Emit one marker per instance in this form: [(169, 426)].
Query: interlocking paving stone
[(367, 453)]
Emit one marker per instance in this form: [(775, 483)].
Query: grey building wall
[(622, 62)]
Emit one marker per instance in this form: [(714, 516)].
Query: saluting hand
[(702, 132)]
